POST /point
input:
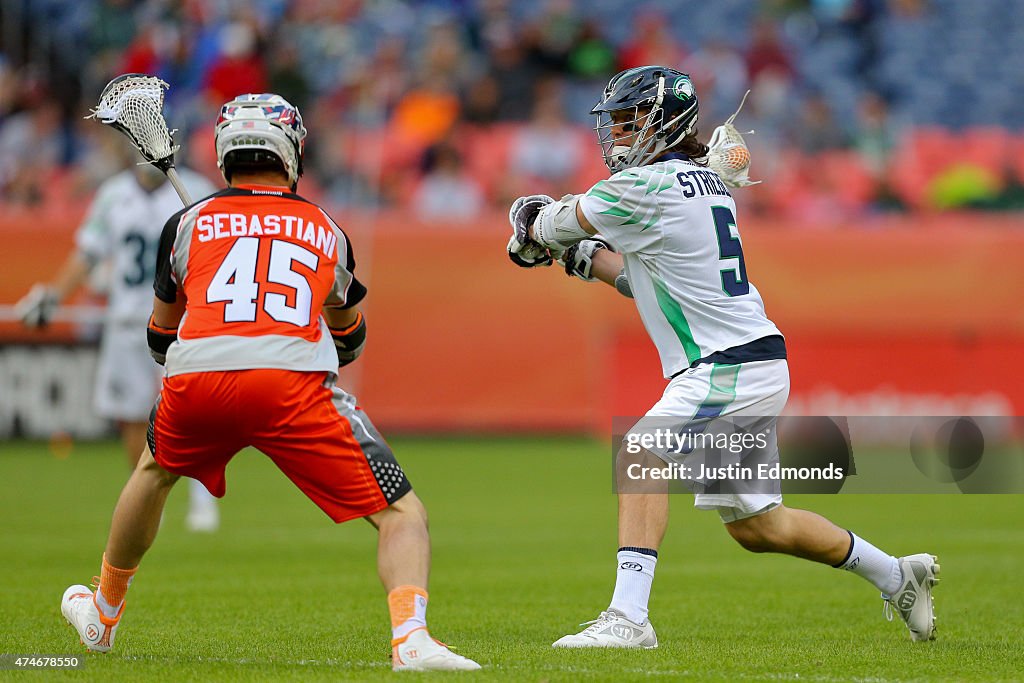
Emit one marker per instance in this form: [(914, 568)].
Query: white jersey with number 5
[(123, 226), (674, 223)]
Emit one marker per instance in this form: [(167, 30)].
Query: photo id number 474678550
[(24, 662)]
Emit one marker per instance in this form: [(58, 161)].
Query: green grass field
[(524, 542)]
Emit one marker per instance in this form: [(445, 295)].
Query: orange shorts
[(315, 435)]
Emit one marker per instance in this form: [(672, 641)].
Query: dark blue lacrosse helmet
[(669, 96)]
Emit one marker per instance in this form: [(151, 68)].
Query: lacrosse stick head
[(728, 154), (133, 104)]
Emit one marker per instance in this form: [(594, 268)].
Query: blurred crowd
[(448, 108)]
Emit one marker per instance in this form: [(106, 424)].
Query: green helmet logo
[(682, 88)]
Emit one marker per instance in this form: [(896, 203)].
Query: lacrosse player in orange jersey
[(256, 308)]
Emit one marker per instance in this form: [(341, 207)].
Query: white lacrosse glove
[(529, 255), (522, 250), (728, 155), (36, 308), (578, 259)]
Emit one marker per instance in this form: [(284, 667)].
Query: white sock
[(880, 568), (108, 610), (633, 580), (198, 497)]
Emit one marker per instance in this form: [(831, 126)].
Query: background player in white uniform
[(120, 233), (666, 234)]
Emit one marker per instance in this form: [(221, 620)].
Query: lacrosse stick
[(728, 154), (79, 314), (133, 104)]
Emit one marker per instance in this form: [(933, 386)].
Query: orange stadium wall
[(917, 315)]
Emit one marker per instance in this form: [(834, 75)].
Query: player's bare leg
[(203, 514), (137, 514), (793, 532), (905, 582), (403, 562), (403, 546), (132, 531), (643, 519)]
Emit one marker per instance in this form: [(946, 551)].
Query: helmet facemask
[(639, 127)]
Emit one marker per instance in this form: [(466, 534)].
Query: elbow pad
[(349, 341), (557, 226), (159, 340)]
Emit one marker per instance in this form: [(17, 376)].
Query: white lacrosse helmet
[(263, 122)]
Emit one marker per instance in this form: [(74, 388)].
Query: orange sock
[(113, 585), (408, 608)]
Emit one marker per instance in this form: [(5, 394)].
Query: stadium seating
[(949, 72)]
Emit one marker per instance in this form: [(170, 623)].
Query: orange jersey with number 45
[(257, 265)]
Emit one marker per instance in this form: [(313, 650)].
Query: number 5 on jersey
[(734, 280), (235, 282)]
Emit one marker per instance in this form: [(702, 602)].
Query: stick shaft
[(172, 175), (71, 313)]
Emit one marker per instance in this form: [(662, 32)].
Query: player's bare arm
[(38, 306), (169, 315), (339, 318), (71, 275), (607, 266)]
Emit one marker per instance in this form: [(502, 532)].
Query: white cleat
[(419, 652), (611, 629), (95, 631), (913, 601), (203, 517), (203, 512)]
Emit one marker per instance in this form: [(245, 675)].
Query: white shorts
[(754, 389), (127, 377)]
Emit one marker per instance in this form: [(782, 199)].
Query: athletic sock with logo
[(633, 580), (408, 608), (113, 586), (880, 568)]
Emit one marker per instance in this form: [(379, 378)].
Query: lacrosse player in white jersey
[(121, 231), (663, 230)]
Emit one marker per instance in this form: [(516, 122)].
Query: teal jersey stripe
[(721, 392), (723, 385), (674, 314), (618, 211), (598, 192)]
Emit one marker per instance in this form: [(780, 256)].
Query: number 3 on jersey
[(235, 282), (734, 280)]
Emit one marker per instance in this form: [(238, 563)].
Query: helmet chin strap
[(657, 148)]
